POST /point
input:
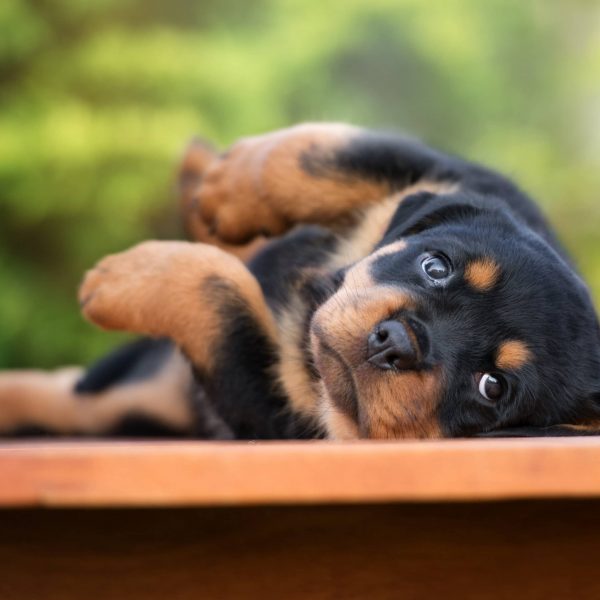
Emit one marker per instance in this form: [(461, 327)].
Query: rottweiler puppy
[(403, 293)]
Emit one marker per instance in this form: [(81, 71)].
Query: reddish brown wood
[(210, 473), (535, 550)]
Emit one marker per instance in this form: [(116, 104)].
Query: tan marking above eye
[(482, 274), (512, 354)]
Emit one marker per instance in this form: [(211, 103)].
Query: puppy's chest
[(294, 369)]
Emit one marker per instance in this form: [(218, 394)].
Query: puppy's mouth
[(336, 374)]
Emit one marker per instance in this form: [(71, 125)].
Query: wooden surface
[(210, 473), (243, 520), (534, 550)]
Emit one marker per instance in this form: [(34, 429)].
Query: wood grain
[(535, 550), (211, 473)]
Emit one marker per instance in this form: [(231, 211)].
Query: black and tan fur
[(335, 327)]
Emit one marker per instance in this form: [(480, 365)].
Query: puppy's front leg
[(172, 289), (210, 305)]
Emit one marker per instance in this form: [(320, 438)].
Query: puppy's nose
[(389, 347)]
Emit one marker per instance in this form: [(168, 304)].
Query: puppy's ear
[(425, 210)]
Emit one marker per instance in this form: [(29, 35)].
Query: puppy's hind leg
[(71, 402), (37, 401)]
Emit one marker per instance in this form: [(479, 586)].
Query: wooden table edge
[(178, 474)]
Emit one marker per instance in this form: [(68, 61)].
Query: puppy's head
[(462, 322)]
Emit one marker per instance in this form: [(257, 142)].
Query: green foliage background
[(97, 98)]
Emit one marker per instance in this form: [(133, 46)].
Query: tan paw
[(234, 201), (175, 290), (139, 290)]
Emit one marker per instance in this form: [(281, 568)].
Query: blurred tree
[(98, 97)]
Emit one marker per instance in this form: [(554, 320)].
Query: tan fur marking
[(359, 241), (291, 369), (358, 275), (372, 222), (37, 398), (482, 274), (156, 288), (589, 426), (512, 354), (302, 197), (400, 405)]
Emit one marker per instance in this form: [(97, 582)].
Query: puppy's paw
[(234, 201), (176, 290), (134, 290), (267, 184)]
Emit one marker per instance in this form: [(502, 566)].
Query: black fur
[(281, 264), (135, 361), (403, 161), (241, 387)]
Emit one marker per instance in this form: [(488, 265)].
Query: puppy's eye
[(436, 267), (492, 386)]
